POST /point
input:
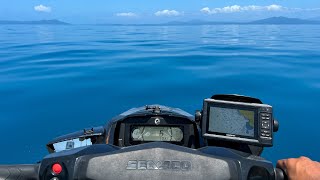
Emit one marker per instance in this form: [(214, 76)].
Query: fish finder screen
[(231, 121), (156, 133)]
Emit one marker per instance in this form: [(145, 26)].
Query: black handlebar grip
[(21, 172), (280, 174)]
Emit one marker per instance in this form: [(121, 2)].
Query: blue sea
[(59, 79)]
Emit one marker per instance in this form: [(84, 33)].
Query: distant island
[(272, 20), (51, 22), (268, 21), (315, 18), (284, 20)]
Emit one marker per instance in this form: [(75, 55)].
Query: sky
[(155, 11)]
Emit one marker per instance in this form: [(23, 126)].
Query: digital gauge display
[(156, 133)]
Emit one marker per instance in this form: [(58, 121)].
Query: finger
[(291, 162), (282, 164)]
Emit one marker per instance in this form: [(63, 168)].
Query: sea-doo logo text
[(158, 165)]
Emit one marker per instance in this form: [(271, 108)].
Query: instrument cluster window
[(156, 133)]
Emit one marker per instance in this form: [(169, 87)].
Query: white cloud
[(206, 10), (167, 12), (237, 8), (252, 8), (126, 14), (274, 7), (227, 9), (42, 8)]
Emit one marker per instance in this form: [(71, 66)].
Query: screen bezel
[(233, 106)]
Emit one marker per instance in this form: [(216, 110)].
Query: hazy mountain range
[(284, 20), (272, 20), (315, 18), (53, 22)]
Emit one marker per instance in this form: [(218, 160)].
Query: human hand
[(301, 168)]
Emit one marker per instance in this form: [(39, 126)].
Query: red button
[(56, 168)]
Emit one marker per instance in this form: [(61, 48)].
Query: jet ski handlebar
[(30, 172), (21, 172), (280, 174)]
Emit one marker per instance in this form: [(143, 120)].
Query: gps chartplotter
[(249, 123)]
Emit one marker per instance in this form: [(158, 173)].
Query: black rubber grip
[(280, 174), (19, 172)]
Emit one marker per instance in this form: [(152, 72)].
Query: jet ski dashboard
[(159, 142), (156, 128)]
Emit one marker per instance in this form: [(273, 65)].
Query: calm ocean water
[(59, 79)]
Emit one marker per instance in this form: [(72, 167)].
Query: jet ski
[(224, 140)]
